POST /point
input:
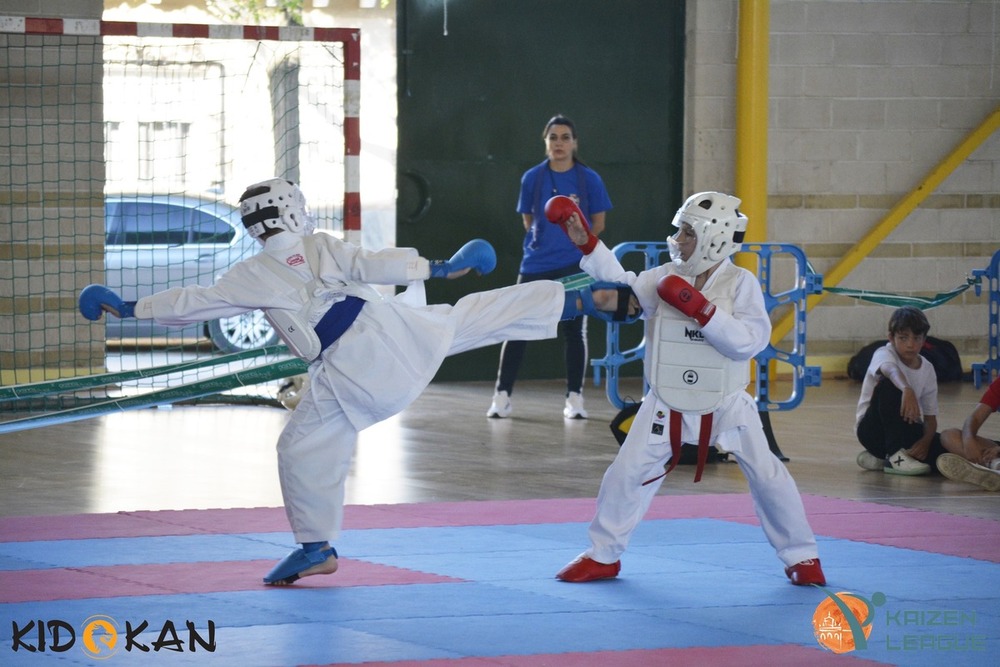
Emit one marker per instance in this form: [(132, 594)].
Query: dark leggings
[(573, 331), (882, 431)]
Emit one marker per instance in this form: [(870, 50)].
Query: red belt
[(704, 440)]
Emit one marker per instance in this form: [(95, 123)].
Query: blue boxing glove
[(477, 254), (581, 302), (96, 299)]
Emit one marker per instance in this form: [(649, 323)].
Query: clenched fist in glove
[(681, 295), (558, 210), (95, 300), (476, 254)]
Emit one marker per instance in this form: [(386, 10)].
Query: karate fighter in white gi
[(705, 320), (369, 356)]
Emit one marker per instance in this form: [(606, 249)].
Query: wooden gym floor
[(443, 448), (455, 527)]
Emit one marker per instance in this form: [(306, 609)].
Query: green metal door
[(478, 79)]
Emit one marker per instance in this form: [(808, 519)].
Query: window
[(112, 223), (149, 223), (206, 228), (163, 145)]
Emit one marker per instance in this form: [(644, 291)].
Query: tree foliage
[(258, 11)]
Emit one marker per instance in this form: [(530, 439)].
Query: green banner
[(898, 300)]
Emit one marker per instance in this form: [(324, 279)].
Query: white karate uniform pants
[(623, 500), (316, 447)]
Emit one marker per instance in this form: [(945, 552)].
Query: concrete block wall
[(865, 100), (51, 194)]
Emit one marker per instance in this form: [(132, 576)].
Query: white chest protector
[(684, 370), (293, 326)]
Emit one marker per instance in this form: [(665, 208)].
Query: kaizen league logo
[(843, 622), (102, 637)]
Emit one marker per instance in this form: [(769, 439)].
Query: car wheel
[(248, 331)]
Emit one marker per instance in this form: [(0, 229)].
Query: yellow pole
[(751, 114), (752, 56), (895, 216)]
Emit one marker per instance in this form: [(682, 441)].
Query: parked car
[(155, 242)]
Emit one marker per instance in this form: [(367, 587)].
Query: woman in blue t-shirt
[(549, 254)]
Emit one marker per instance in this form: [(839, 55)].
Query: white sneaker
[(869, 461), (501, 408), (574, 406), (956, 468), (902, 463)]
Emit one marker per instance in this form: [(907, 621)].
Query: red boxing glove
[(559, 209), (678, 293)]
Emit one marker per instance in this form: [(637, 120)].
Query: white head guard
[(719, 226), (275, 204)]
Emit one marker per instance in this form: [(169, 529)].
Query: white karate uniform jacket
[(375, 369)]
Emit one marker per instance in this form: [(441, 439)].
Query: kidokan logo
[(102, 636), (690, 377)]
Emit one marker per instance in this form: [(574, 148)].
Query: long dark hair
[(560, 119)]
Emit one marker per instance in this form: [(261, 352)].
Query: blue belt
[(337, 320)]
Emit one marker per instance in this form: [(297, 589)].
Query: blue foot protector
[(290, 567)]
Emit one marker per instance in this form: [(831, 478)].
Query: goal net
[(125, 148)]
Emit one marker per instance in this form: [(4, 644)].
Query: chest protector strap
[(293, 326)]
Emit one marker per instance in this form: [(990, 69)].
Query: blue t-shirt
[(546, 246)]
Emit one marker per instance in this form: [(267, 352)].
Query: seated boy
[(897, 411)]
